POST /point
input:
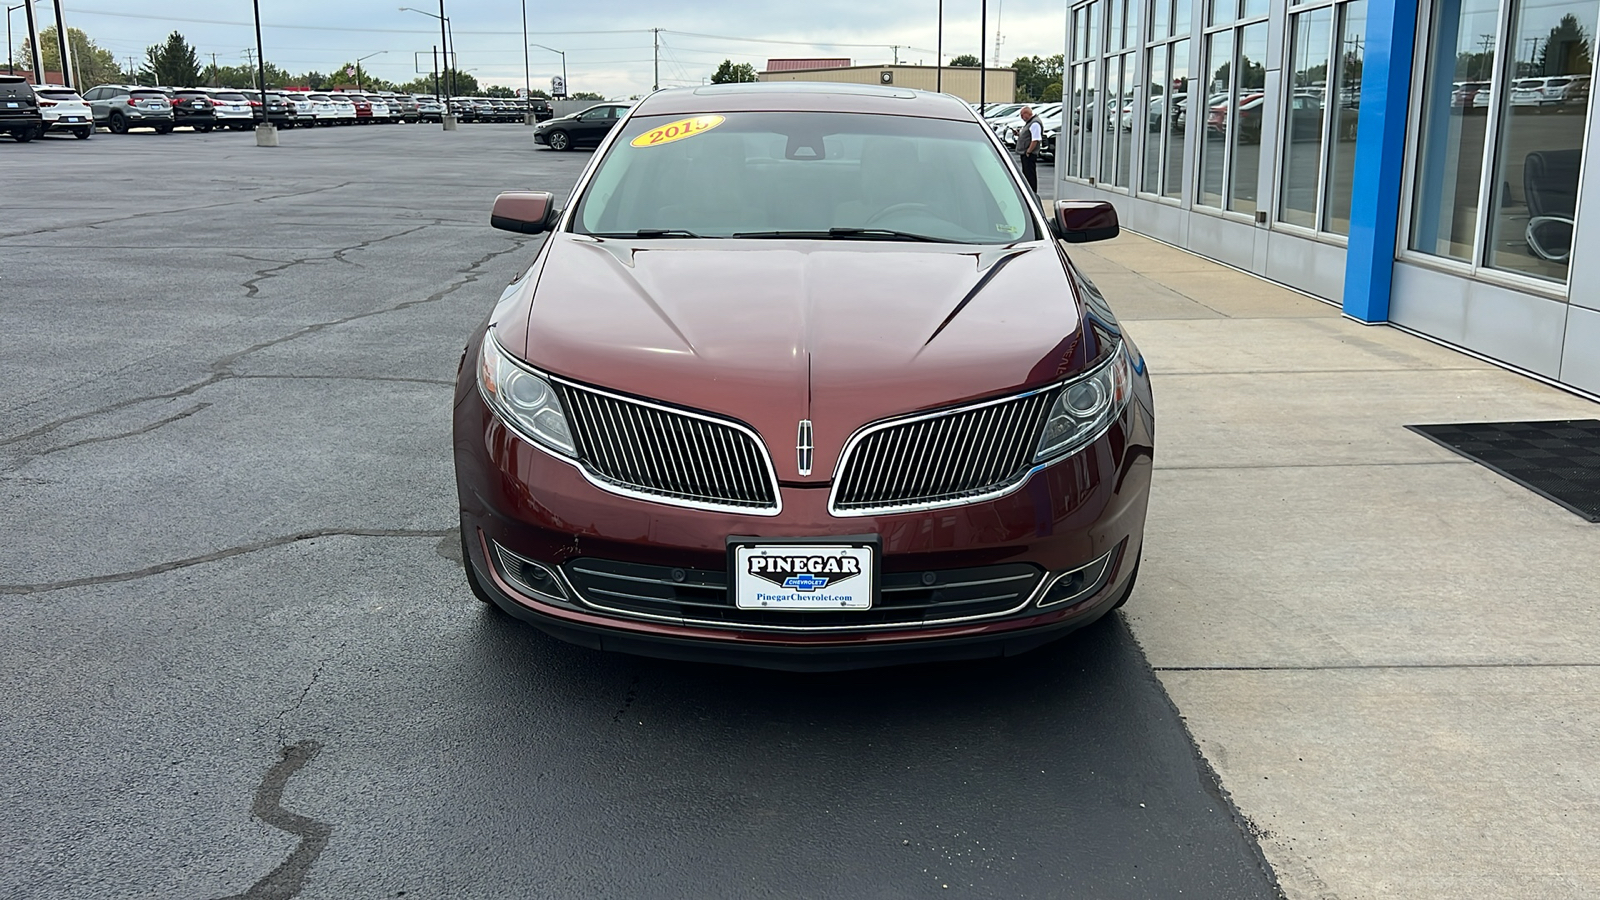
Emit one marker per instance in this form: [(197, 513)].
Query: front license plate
[(820, 574)]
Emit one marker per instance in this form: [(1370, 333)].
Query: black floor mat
[(1556, 460)]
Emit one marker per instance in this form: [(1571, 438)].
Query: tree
[(1035, 75), (966, 60), (465, 84), (90, 63), (499, 91), (243, 76), (586, 95), (731, 73), (173, 63), (1565, 51)]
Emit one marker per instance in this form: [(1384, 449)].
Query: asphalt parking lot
[(242, 660)]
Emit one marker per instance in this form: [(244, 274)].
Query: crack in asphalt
[(240, 550), (221, 368), (300, 700), (286, 880), (168, 212), (251, 285), (100, 439)]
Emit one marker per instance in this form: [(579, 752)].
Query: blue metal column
[(1380, 158)]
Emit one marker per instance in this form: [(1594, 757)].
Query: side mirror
[(1082, 221), (525, 212)]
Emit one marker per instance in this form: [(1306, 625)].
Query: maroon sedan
[(803, 377)]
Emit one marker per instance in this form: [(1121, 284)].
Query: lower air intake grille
[(941, 458), (670, 454), (701, 595)]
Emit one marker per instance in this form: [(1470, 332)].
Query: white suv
[(64, 110)]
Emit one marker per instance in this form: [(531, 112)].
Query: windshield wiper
[(869, 233), (651, 233)]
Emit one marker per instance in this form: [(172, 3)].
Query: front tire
[(560, 141), (119, 123)]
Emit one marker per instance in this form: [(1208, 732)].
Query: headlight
[(522, 398), (1086, 407)]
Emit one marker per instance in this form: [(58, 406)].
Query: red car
[(803, 377), (363, 108)]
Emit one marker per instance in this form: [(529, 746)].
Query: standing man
[(1028, 143)]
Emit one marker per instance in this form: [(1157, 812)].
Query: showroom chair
[(1550, 185)]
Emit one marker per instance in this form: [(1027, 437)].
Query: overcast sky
[(319, 34)]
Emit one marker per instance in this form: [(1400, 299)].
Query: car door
[(593, 124)]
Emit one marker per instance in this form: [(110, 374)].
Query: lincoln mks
[(803, 377)]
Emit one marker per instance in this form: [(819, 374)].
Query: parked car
[(403, 107), (1542, 92), (1575, 96), (586, 128), (305, 109), (541, 109), (430, 109), (344, 110), (807, 424), (193, 108), (326, 112), (280, 110), (20, 116), (380, 109), (232, 109), (121, 107), (1247, 118), (63, 110)]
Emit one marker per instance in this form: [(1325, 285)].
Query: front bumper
[(514, 496)]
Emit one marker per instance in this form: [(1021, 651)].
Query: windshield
[(805, 174)]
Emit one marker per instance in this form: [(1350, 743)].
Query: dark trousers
[(1030, 170)]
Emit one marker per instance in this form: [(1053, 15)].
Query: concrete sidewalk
[(1390, 655)]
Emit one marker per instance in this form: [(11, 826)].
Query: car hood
[(770, 333)]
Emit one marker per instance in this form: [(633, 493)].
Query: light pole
[(266, 132), (527, 77), (565, 86), (33, 42), (358, 65), (448, 120), (11, 60)]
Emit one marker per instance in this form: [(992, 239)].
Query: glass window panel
[(1253, 8), (1107, 112), (1080, 36), (1213, 154), (1346, 108), (1132, 25), (1150, 122), (1172, 178), (1455, 102), (1160, 19), (1222, 11), (1180, 16), (1305, 118), (1541, 137), (1070, 94), (1084, 122), (1114, 25), (1094, 28), (1125, 120), (1250, 90)]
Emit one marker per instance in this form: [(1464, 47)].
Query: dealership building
[(1419, 162), (998, 85)]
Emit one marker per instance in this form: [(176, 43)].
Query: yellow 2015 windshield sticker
[(677, 131)]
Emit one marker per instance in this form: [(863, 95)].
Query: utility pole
[(655, 39), (938, 64), (63, 45), (215, 70), (896, 49), (133, 77), (436, 71), (527, 78)]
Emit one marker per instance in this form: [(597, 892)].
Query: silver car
[(120, 107)]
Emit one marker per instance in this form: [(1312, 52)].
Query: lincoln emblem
[(803, 448)]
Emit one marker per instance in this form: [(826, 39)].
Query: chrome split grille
[(700, 596), (677, 456), (941, 458)]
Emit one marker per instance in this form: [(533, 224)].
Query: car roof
[(803, 96)]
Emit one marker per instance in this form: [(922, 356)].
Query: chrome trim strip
[(1093, 585), (957, 584), (1033, 597), (510, 574)]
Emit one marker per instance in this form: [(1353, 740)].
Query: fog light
[(534, 579), (1080, 583)]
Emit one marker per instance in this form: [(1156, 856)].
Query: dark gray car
[(19, 109)]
